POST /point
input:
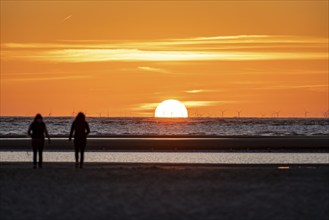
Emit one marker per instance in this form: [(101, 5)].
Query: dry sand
[(109, 191)]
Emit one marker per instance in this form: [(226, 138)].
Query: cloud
[(48, 78), (195, 91), (124, 55), (152, 69), (152, 106), (146, 106), (314, 86), (204, 103), (217, 48), (253, 41)]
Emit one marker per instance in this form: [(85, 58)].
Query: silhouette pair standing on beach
[(79, 130)]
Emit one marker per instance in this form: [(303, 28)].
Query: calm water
[(60, 126), (174, 157)]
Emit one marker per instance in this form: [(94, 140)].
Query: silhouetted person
[(80, 128), (37, 131)]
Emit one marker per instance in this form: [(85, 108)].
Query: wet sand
[(167, 191), (180, 143), (196, 157)]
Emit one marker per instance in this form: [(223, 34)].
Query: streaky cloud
[(123, 55), (195, 91), (283, 87), (271, 40), (205, 103), (217, 48), (152, 69), (47, 78), (152, 106)]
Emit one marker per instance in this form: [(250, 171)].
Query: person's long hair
[(37, 118), (81, 118)]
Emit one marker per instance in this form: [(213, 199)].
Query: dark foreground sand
[(113, 191)]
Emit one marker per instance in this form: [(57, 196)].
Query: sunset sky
[(122, 58)]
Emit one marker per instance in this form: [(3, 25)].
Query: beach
[(161, 184), (172, 191)]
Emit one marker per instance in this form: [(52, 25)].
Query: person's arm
[(87, 128), (47, 135), (29, 131), (72, 130)]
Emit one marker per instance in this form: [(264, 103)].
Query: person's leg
[(76, 149), (41, 145), (83, 147), (35, 149), (82, 154)]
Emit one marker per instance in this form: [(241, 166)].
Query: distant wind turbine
[(223, 113), (277, 114)]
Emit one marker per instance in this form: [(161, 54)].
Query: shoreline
[(180, 143), (176, 136)]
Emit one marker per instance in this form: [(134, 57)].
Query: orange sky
[(122, 58)]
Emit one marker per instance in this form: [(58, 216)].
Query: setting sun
[(171, 109)]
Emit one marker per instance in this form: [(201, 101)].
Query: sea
[(16, 127), (137, 126)]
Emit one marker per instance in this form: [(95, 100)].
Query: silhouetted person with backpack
[(37, 131), (80, 128)]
